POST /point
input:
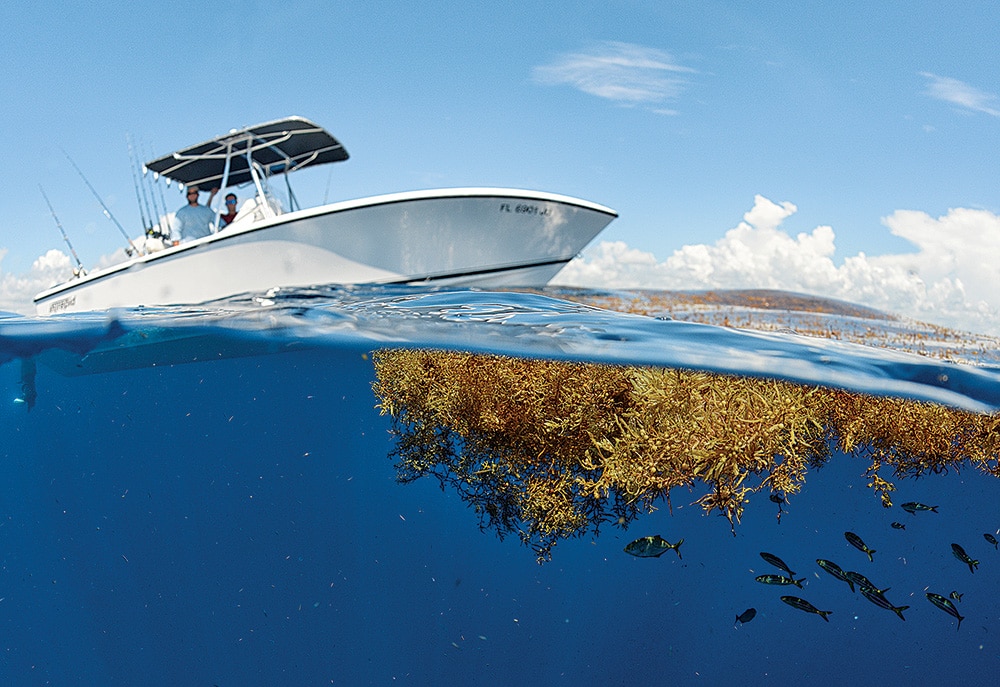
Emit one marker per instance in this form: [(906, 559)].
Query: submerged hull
[(481, 236)]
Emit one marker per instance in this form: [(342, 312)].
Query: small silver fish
[(780, 579), (652, 547), (961, 555), (855, 541), (803, 605), (776, 562), (836, 571), (863, 582), (912, 507), (946, 606), (882, 602)]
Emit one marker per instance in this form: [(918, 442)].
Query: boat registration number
[(524, 209), (62, 304)]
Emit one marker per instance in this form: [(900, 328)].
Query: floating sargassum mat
[(553, 449)]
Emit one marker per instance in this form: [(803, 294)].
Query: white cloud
[(623, 72), (17, 290), (962, 94), (950, 279)]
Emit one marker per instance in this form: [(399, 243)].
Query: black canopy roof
[(276, 147)]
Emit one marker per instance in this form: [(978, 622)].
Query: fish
[(912, 507), (946, 606), (779, 579), (876, 598), (776, 562), (961, 555), (855, 541), (956, 596), (835, 570), (992, 540), (863, 582), (804, 605), (746, 616), (898, 526), (778, 499), (652, 547)]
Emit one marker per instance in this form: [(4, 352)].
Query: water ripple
[(521, 324)]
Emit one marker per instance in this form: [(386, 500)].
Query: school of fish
[(655, 546)]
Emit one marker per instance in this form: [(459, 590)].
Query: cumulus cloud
[(962, 94), (17, 290), (623, 72), (949, 279)]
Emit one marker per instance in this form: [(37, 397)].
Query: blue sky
[(682, 116)]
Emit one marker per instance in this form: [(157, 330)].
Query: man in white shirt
[(193, 220)]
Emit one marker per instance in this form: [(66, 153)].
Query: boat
[(485, 237)]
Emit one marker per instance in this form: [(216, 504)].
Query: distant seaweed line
[(764, 299), (553, 449), (772, 310)]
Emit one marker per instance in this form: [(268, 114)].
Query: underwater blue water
[(204, 496)]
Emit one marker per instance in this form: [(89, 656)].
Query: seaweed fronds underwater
[(554, 449)]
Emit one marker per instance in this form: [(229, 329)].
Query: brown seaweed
[(554, 449)]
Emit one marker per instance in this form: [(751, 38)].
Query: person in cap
[(193, 220)]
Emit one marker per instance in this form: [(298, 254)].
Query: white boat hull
[(481, 236)]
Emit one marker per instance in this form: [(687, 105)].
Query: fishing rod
[(163, 200), (79, 271), (107, 212), (146, 225), (162, 221), (148, 185)]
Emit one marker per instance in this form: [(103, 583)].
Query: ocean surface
[(206, 496)]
